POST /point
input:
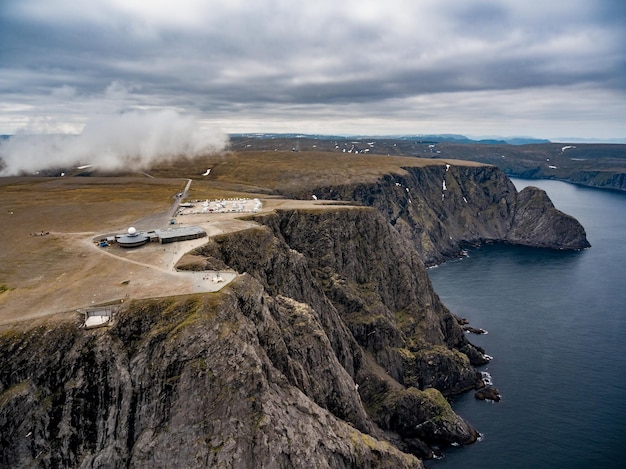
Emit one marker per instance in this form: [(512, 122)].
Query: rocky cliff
[(331, 349), (184, 382), (443, 208)]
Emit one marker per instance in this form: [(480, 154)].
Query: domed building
[(132, 239)]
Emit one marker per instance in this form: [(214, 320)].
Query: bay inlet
[(557, 332)]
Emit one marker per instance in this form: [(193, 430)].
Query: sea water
[(556, 325)]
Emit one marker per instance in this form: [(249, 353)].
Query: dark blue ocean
[(556, 325)]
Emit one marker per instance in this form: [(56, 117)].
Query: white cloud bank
[(133, 140)]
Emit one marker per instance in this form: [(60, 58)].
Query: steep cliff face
[(444, 208), (371, 293), (330, 350), (358, 272), (536, 222), (601, 179), (186, 382)]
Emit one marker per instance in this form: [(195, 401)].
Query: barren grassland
[(43, 221), (268, 172), (49, 263)]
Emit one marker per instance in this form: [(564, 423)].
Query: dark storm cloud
[(226, 58)]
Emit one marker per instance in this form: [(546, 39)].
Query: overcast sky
[(543, 68)]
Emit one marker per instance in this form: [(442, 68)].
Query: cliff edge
[(444, 208), (330, 349)]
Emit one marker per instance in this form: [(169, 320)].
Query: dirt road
[(78, 273)]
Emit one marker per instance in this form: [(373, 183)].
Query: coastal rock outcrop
[(614, 180), (443, 209), (537, 223), (184, 382), (373, 297), (330, 349), (363, 271), (488, 393)]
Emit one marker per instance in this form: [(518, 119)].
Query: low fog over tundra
[(131, 140)]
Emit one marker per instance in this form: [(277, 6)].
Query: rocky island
[(329, 349)]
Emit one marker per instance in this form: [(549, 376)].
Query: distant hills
[(589, 164), (421, 138)]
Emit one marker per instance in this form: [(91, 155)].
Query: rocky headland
[(331, 349), (445, 208)]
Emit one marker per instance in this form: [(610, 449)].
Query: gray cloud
[(233, 60)]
